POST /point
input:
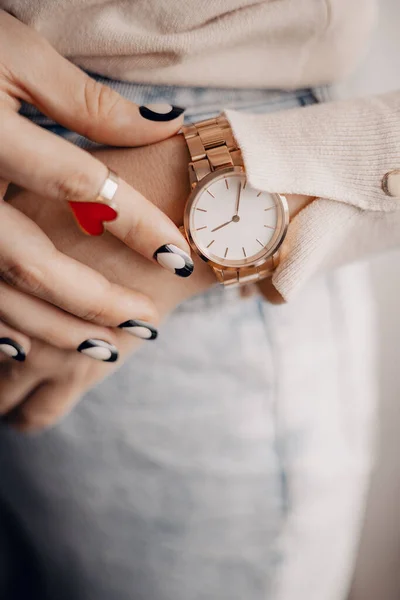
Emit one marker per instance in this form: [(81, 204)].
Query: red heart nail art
[(91, 216)]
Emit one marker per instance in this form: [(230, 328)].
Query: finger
[(49, 324), (62, 91), (44, 406), (13, 344), (147, 230), (16, 382), (31, 264), (40, 320), (79, 177), (3, 188)]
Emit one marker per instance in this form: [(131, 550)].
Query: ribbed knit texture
[(338, 152), (218, 43)]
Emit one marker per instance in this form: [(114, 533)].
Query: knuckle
[(100, 102), (96, 314), (146, 309), (98, 310), (150, 313), (59, 337), (27, 278), (74, 186), (130, 237), (8, 87), (6, 74)]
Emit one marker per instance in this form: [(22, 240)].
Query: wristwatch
[(234, 227)]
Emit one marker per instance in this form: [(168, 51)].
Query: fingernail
[(12, 349), (91, 216), (175, 260), (160, 112), (99, 350), (139, 329)]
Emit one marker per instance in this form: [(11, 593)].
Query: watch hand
[(238, 200), (221, 226)]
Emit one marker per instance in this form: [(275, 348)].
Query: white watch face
[(232, 223)]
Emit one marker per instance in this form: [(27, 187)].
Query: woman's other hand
[(52, 380), (45, 164), (38, 392)]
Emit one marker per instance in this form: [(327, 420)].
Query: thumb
[(67, 95)]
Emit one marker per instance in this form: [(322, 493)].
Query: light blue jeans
[(227, 461)]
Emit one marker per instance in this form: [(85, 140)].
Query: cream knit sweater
[(344, 153)]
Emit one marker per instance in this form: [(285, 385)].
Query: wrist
[(160, 173), (166, 183)]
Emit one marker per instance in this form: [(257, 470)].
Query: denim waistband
[(199, 102)]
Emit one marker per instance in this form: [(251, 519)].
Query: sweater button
[(391, 183)]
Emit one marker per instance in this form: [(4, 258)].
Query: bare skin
[(38, 392), (66, 302)]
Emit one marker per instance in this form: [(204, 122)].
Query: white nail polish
[(9, 350), (99, 350), (139, 329), (12, 349), (174, 260), (171, 261), (161, 109)]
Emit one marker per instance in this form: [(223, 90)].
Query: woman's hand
[(38, 392), (54, 169), (51, 381)]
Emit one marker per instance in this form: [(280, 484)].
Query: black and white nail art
[(160, 112), (12, 349), (175, 260), (99, 350), (139, 329)]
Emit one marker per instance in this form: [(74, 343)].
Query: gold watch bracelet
[(212, 146)]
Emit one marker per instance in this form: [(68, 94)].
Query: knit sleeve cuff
[(340, 153), (338, 150)]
